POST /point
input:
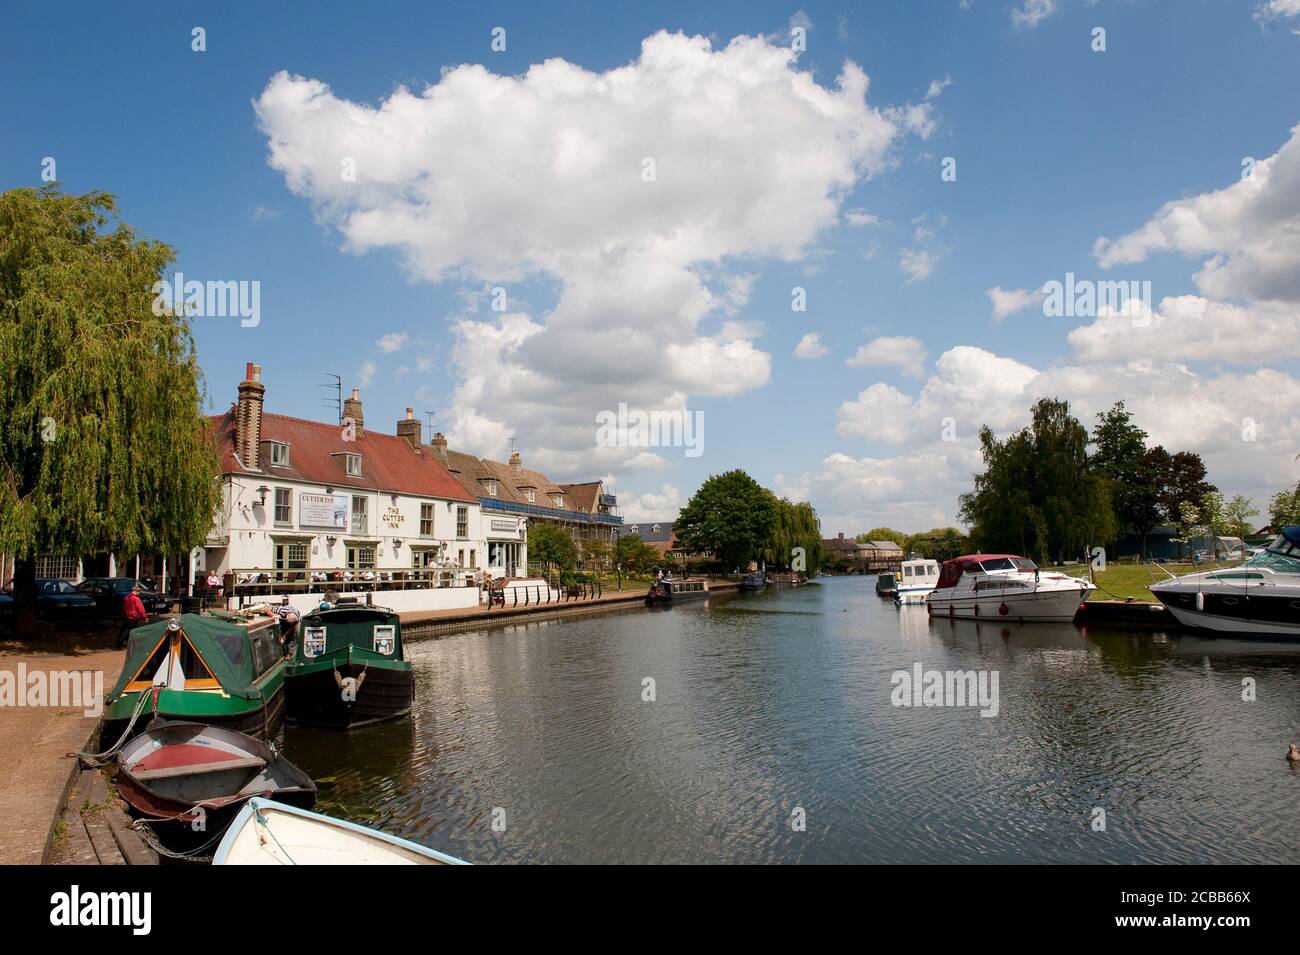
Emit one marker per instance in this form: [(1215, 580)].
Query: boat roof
[(1292, 534), (983, 557), (224, 648)]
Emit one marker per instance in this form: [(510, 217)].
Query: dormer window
[(558, 500), (532, 495), (491, 487), (279, 454), (353, 464)]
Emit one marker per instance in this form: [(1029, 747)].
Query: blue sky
[(1056, 145)]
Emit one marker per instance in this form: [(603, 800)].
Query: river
[(772, 736)]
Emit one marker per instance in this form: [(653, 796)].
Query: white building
[(306, 500)]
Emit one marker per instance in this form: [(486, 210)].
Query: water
[(781, 701)]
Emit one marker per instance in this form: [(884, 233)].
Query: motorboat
[(267, 832), (1005, 587), (1260, 597), (917, 578)]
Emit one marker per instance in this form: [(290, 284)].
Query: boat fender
[(1004, 609), (1200, 600)]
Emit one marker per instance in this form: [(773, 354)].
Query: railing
[(538, 595), (554, 513), (254, 582)]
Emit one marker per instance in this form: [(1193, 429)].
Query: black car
[(107, 593), (57, 599)]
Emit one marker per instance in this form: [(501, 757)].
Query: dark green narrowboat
[(348, 669), (206, 670)]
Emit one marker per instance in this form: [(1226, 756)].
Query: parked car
[(57, 600), (107, 594)]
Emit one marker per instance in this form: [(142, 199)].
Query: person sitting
[(288, 617)]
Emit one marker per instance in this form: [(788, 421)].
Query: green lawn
[(1119, 581)]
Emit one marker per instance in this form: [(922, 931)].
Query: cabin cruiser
[(1005, 587), (917, 577), (1262, 596)]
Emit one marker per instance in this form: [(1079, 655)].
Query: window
[(56, 566), (558, 500), (283, 505), (361, 557), (279, 454), (473, 559), (491, 487), (462, 522), (532, 495), (426, 520), (353, 463), (290, 559), (360, 525)]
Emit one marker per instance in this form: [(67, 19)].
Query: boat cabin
[(367, 628), (919, 572), (976, 565), (197, 653)]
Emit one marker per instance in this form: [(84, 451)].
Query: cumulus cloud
[(1249, 230), (860, 217), (365, 374), (1030, 13), (393, 341), (900, 351), (483, 178), (810, 346), (1009, 301), (917, 264), (1278, 9), (661, 505)]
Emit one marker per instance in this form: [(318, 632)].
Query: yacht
[(1005, 587), (1261, 597), (917, 577)]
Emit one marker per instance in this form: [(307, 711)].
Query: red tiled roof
[(316, 449)]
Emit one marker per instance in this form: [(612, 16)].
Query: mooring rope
[(97, 760), (142, 827)]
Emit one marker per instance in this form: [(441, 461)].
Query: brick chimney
[(248, 417), (516, 462), (439, 444), (352, 409), (409, 428)]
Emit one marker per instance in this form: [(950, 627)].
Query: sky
[(819, 234)]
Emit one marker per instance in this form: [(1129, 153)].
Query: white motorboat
[(1005, 587), (271, 833), (917, 578), (1261, 597)]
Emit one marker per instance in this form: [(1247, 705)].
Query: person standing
[(288, 617), (133, 615)]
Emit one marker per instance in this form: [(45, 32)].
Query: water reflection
[(767, 703)]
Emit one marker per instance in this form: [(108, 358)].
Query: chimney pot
[(248, 417)]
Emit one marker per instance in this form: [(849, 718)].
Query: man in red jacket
[(133, 615)]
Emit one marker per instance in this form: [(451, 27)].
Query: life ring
[(1004, 609)]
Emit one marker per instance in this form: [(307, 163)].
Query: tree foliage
[(635, 555), (552, 545), (1038, 496), (794, 525), (103, 445), (941, 543), (731, 515)]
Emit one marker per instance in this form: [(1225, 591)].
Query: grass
[(1121, 581)]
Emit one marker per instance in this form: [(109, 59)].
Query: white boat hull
[(271, 833), (1233, 625), (1045, 606), (917, 596)]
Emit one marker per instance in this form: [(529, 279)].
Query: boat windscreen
[(998, 563), (1281, 555)]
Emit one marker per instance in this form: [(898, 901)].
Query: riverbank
[(434, 622), (37, 740)]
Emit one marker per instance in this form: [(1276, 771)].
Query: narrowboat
[(1259, 598), (886, 584), (184, 772), (669, 591), (267, 832), (1005, 587), (754, 580), (348, 669), (202, 669)]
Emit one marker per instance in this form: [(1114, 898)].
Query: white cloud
[(1278, 9), (1192, 328), (1032, 12), (1009, 301), (662, 505), (1250, 230), (917, 264), (365, 374), (937, 87), (810, 346), (266, 214), (860, 217), (483, 178), (899, 351), (393, 341)]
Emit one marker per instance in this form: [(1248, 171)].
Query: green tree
[(885, 534), (103, 444), (1145, 499), (1118, 456), (552, 545), (635, 555), (795, 526), (1236, 517), (1187, 484), (1284, 508), (941, 543), (1038, 495), (731, 515), (594, 550)]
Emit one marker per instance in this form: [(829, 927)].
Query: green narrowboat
[(206, 670), (348, 669)]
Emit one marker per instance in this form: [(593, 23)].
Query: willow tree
[(103, 445), (794, 526)]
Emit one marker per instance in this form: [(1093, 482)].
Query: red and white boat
[(1005, 587)]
